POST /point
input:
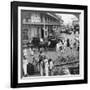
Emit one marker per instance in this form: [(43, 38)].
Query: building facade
[(38, 24)]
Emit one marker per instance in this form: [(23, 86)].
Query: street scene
[(50, 44)]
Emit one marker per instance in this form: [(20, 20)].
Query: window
[(25, 34)]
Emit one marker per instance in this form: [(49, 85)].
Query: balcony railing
[(41, 23), (29, 22)]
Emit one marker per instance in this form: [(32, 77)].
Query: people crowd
[(42, 65)]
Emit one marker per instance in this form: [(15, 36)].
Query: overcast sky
[(68, 18)]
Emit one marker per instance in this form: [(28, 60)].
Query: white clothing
[(46, 67), (25, 52), (31, 51), (25, 66), (41, 40), (58, 45), (41, 68), (51, 65)]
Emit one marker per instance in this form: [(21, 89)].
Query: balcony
[(39, 23)]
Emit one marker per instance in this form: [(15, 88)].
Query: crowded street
[(50, 46)]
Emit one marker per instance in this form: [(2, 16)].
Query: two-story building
[(38, 24)]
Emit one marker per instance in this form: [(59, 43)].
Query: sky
[(67, 18)]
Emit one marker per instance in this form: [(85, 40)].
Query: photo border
[(14, 43)]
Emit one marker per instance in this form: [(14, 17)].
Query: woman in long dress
[(46, 66), (41, 63), (25, 62)]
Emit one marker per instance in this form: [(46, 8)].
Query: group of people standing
[(43, 65), (46, 65), (63, 43)]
